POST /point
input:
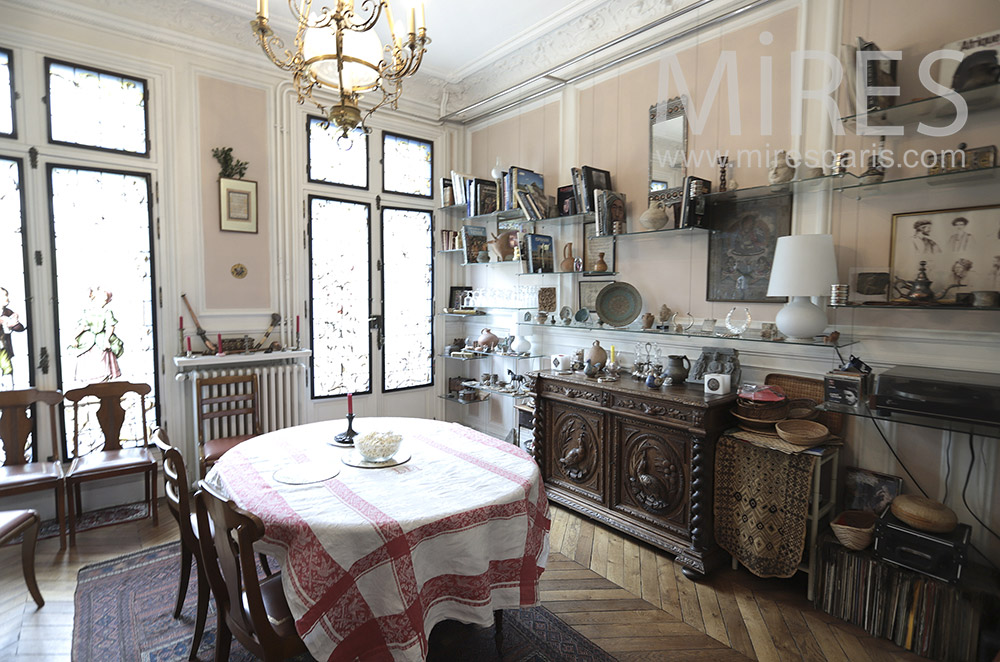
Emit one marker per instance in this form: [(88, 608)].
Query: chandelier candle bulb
[(423, 19), (262, 8), (412, 21)]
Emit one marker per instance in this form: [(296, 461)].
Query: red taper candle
[(350, 403), (218, 346), (189, 343), (182, 323), (296, 324)]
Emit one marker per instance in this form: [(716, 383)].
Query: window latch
[(375, 322)]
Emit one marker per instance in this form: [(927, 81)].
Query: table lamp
[(804, 266)]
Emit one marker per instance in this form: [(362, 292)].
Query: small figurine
[(780, 172)]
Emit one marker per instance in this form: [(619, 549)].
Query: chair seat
[(11, 522), (33, 474), (93, 464), (215, 448), (276, 606)]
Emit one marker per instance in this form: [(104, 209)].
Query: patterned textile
[(779, 444), (761, 503), (373, 558), (124, 606)]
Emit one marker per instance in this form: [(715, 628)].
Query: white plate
[(304, 474), (354, 459)]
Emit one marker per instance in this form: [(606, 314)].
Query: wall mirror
[(667, 145)]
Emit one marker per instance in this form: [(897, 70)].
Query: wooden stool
[(13, 522)]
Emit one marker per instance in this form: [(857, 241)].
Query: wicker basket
[(762, 411), (854, 528), (802, 433)]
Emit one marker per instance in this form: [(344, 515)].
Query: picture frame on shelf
[(485, 196), (869, 285), (609, 212), (237, 205), (566, 200), (960, 247), (593, 246), (593, 180), (577, 176), (474, 241), (456, 296), (869, 491), (588, 291), (741, 247), (541, 255)]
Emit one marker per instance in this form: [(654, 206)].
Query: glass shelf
[(795, 187), (649, 233), (475, 314), (933, 422), (452, 209), (519, 357), (457, 400), (477, 357), (842, 341), (578, 273), (491, 263), (911, 306), (505, 394), (937, 109), (920, 182), (452, 250)]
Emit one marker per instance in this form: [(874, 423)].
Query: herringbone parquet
[(628, 598)]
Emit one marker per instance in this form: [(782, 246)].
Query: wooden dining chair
[(12, 523), (228, 414), (110, 460), (175, 488), (19, 474), (249, 608)]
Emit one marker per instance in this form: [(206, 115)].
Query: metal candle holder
[(347, 437)]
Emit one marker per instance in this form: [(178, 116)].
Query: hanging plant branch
[(230, 168)]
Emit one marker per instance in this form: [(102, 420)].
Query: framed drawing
[(238, 205), (741, 247), (869, 491), (589, 289), (456, 296), (593, 246), (961, 248)]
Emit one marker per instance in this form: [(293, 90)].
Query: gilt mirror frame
[(663, 111)]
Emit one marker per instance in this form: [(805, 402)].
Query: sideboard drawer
[(661, 410)]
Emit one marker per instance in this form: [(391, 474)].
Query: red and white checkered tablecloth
[(373, 558)]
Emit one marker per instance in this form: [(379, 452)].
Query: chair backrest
[(111, 414), (228, 406), (16, 425), (175, 484), (232, 568)]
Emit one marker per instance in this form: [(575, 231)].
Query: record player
[(955, 394)]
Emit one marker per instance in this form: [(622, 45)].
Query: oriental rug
[(94, 519), (761, 504), (124, 606)]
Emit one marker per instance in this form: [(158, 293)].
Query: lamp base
[(801, 319)]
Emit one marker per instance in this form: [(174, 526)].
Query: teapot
[(678, 367), (919, 289)]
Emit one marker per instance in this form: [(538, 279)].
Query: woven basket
[(854, 528), (801, 433), (762, 411), (804, 387)]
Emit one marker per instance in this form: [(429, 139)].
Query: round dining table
[(373, 558)]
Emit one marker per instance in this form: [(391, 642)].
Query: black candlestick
[(347, 437)]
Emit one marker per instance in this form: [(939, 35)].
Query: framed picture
[(238, 205), (589, 289), (961, 248), (593, 246), (869, 491), (610, 211), (566, 200), (741, 247), (474, 241), (456, 296), (541, 258), (869, 284), (593, 179)]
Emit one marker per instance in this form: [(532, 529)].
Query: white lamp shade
[(804, 265), (320, 48)]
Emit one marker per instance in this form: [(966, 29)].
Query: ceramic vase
[(600, 265), (567, 262), (521, 345), (654, 218)]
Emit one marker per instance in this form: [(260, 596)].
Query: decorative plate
[(355, 459), (582, 315), (565, 314), (618, 304)]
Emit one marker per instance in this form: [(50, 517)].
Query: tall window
[(101, 243), (15, 368)]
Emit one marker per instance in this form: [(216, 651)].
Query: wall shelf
[(853, 187), (937, 109), (932, 422), (459, 401), (577, 273), (911, 306), (842, 341)]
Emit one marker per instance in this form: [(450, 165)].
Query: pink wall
[(232, 115), (530, 140)]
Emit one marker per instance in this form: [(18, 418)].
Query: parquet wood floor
[(627, 597)]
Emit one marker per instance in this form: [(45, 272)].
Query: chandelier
[(338, 49)]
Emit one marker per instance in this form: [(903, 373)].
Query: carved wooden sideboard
[(637, 459)]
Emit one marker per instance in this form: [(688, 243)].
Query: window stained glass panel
[(407, 298), (340, 268), (104, 285), (406, 165), (6, 94), (97, 109), (334, 161), (15, 364)]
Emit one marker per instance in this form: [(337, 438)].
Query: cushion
[(215, 448), (33, 474), (12, 522), (100, 462)]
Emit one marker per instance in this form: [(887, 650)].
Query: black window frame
[(309, 177), (382, 162), (53, 259), (381, 243), (13, 98), (312, 298), (48, 107)]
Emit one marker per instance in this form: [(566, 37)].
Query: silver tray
[(354, 459)]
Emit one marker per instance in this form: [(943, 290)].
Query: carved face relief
[(655, 476)]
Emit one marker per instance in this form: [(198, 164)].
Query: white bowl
[(378, 446)]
